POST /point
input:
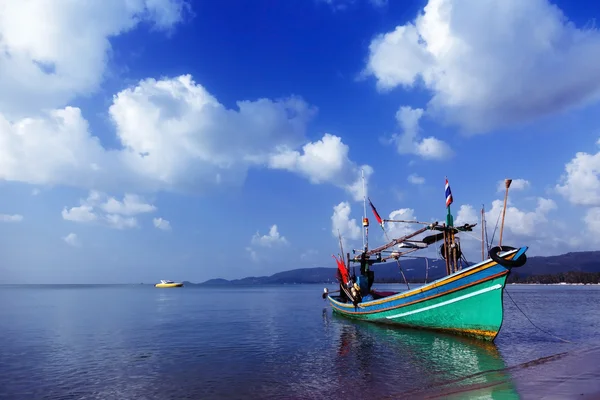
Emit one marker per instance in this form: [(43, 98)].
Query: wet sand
[(564, 376), (572, 375)]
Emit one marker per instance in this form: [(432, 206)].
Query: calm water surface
[(138, 342)]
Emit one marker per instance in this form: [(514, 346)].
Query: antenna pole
[(507, 183), (365, 225), (482, 232)]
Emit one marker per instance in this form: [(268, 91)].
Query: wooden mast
[(507, 183), (446, 253)]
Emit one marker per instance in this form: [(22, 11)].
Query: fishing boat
[(467, 300), (168, 284)]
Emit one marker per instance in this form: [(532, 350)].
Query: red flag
[(342, 269), (377, 217)]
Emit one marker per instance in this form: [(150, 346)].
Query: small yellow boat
[(168, 284)]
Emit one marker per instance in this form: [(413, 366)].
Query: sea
[(266, 342)]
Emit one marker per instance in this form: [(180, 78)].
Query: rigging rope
[(546, 332), (496, 227), (470, 234), (397, 259)]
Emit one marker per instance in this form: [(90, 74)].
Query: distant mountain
[(582, 261), (414, 269)]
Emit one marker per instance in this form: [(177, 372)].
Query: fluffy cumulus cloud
[(108, 211), (54, 149), (396, 230), (536, 228), (130, 205), (176, 133), (264, 246), (520, 223), (580, 185), (416, 179), (171, 133), (409, 140), (52, 51), (324, 161), (174, 136), (11, 218), (342, 224), (592, 219), (466, 215), (72, 240), (524, 223), (162, 224), (459, 50), (272, 239)]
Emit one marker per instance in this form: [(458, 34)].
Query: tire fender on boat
[(494, 251)]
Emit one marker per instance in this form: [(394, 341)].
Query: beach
[(562, 376)]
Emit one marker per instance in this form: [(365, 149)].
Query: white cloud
[(592, 220), (98, 207), (433, 149), (516, 184), (409, 142), (272, 239), (416, 179), (519, 222), (72, 240), (342, 223), (11, 218), (54, 149), (580, 185), (82, 213), (459, 50), (581, 182), (533, 228), (176, 133), (174, 136), (131, 205), (324, 161), (51, 52), (161, 223), (117, 221), (467, 215), (399, 229)]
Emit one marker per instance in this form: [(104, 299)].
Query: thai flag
[(449, 199), (379, 220)]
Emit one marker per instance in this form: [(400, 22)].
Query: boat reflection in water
[(402, 363)]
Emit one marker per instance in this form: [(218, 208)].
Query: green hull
[(474, 311)]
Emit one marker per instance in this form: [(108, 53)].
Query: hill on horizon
[(415, 270)]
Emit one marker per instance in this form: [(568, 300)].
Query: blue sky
[(180, 140)]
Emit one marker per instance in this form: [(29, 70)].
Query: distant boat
[(468, 300), (168, 284)]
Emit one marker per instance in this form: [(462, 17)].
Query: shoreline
[(573, 374)]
